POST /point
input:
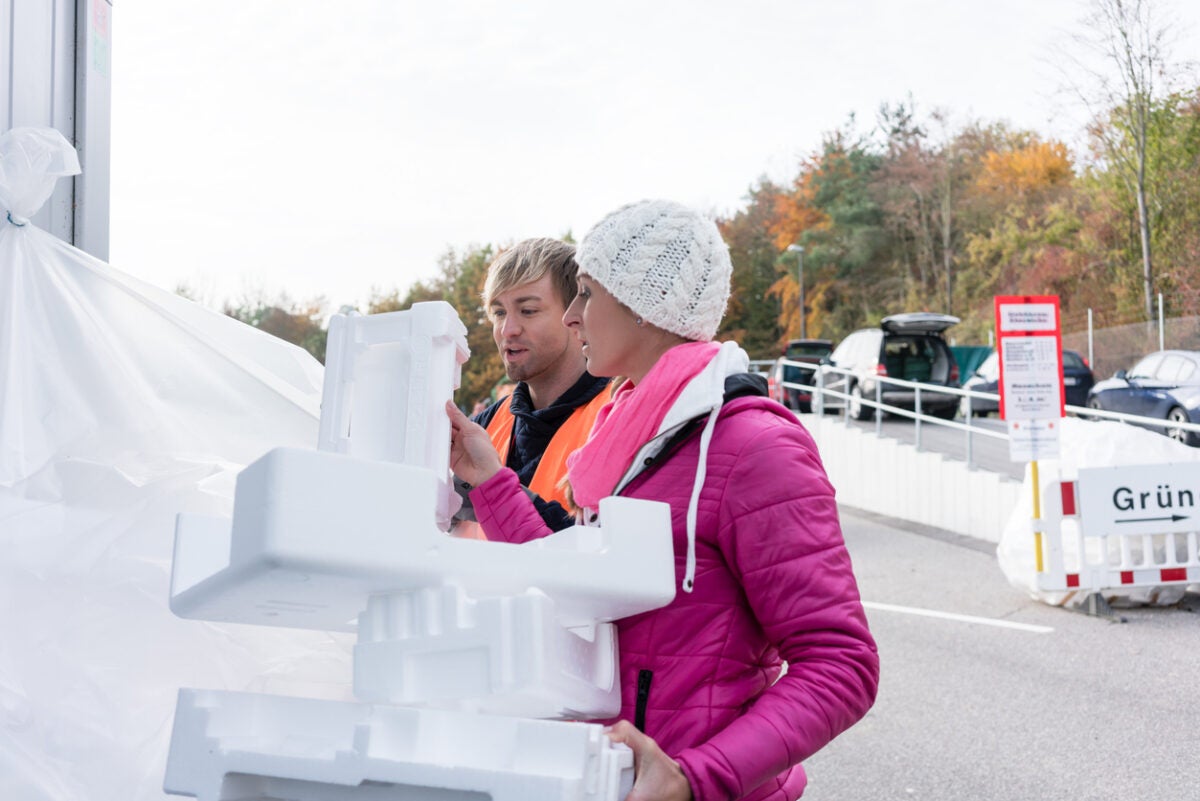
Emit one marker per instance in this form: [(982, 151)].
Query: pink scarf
[(631, 420)]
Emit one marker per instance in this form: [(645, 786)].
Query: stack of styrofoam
[(351, 537), (244, 746)]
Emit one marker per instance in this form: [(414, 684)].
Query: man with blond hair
[(554, 403)]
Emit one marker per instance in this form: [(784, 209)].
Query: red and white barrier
[(1090, 557)]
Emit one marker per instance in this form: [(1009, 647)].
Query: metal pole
[(818, 405), (1161, 345), (803, 316), (1091, 334), (970, 438), (799, 251), (917, 418), (879, 411)]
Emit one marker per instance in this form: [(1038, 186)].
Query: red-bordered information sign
[(1029, 338)]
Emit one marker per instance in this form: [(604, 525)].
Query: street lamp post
[(799, 251)]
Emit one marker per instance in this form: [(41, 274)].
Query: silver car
[(904, 346)]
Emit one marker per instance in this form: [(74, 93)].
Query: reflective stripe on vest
[(569, 437)]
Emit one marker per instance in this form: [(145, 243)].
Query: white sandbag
[(1085, 443)]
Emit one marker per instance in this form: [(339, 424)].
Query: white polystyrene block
[(227, 746), (504, 656), (387, 380), (315, 534)]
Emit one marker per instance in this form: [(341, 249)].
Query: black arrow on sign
[(1172, 518)]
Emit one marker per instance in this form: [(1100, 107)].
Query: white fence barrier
[(1096, 561)]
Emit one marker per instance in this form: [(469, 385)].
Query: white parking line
[(986, 621)]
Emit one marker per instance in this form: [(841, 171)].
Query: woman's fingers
[(472, 457), (656, 777)]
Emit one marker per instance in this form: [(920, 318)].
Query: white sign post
[(1031, 387)]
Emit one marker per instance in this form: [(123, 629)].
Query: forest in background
[(915, 213)]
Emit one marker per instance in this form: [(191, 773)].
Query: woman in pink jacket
[(707, 705)]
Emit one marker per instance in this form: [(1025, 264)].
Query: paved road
[(1035, 703)]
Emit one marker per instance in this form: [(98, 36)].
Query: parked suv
[(905, 346), (808, 351)]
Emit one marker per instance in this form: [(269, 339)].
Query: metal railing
[(917, 414), (1138, 420), (920, 417)]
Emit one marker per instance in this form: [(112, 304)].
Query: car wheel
[(858, 409), (1178, 415), (1094, 403)]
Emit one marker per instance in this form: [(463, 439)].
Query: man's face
[(528, 329)]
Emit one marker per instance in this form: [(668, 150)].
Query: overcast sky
[(329, 149)]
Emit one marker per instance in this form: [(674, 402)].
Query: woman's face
[(610, 336)]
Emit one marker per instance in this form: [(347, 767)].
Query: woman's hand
[(472, 456), (656, 777)]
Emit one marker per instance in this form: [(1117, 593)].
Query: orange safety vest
[(570, 436)]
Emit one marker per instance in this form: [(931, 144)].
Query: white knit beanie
[(665, 262)]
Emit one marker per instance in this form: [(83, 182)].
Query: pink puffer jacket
[(773, 584)]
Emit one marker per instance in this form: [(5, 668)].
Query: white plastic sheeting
[(1086, 443), (121, 405)]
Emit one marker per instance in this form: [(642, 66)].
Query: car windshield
[(812, 349), (1073, 360)]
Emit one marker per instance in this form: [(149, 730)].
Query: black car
[(783, 376), (1077, 382), (905, 346), (1164, 385)]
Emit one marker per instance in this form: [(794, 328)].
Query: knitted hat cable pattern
[(664, 261)]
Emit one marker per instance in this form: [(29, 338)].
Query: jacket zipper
[(643, 697)]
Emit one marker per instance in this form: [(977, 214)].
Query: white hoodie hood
[(703, 396)]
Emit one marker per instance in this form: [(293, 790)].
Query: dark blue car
[(1163, 385), (1077, 381), (784, 375)]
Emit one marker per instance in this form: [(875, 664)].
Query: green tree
[(1125, 68), (1172, 210), (921, 186), (851, 256), (459, 282), (753, 315), (301, 324), (1023, 233)]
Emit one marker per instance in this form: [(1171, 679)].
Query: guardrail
[(761, 366), (920, 417), (1148, 422)]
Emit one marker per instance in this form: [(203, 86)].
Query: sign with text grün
[(1139, 499)]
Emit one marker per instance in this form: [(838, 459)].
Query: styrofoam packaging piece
[(227, 746), (503, 656), (387, 380), (315, 533)]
